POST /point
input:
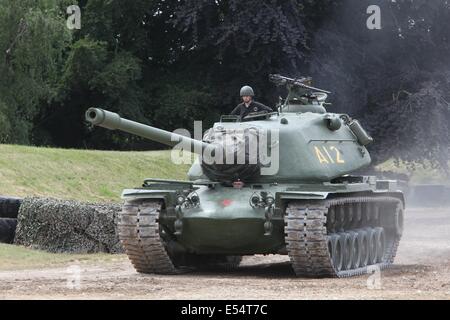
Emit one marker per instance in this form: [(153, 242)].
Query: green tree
[(33, 39), (95, 76)]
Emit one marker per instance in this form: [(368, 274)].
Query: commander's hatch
[(230, 118)]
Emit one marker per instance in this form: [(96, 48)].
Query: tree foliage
[(170, 62), (32, 47)]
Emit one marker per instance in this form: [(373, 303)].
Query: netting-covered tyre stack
[(68, 226)]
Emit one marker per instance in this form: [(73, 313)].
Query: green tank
[(294, 196)]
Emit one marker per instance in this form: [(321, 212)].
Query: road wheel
[(380, 238), (347, 250), (373, 246), (337, 252), (363, 242), (356, 250)]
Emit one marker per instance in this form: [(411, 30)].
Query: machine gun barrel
[(112, 121), (282, 80)]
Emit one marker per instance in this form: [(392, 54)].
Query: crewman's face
[(246, 99)]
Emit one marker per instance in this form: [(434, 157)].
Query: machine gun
[(303, 82)]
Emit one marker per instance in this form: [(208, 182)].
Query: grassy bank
[(80, 174)]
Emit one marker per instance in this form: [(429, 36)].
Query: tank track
[(146, 246), (140, 235), (343, 237)]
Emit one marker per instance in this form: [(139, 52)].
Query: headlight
[(181, 199), (270, 200), (255, 199)]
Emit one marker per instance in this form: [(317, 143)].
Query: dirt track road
[(422, 271)]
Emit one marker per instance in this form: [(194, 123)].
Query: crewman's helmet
[(247, 91)]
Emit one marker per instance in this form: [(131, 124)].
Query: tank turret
[(300, 142)]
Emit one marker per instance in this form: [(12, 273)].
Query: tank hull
[(225, 223), (224, 220)]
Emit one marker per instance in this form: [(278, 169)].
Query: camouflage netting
[(68, 226), (237, 148)]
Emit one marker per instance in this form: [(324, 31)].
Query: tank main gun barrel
[(112, 121), (281, 80)]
